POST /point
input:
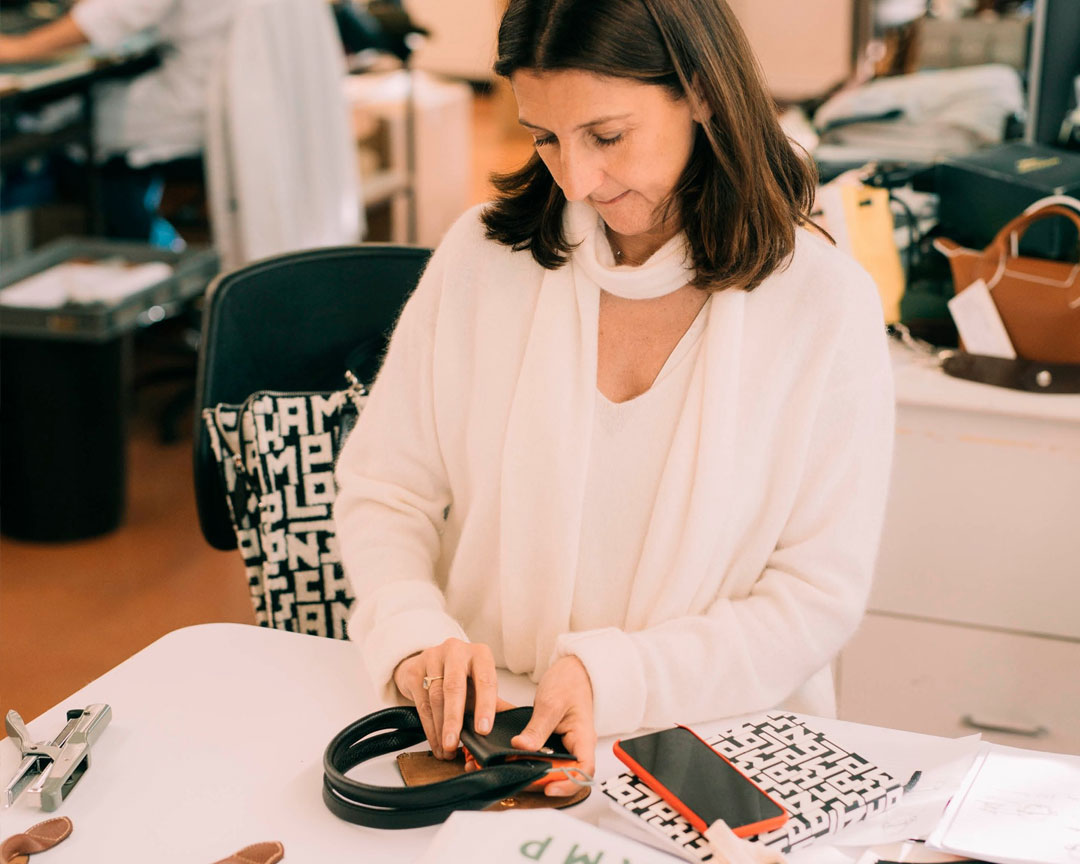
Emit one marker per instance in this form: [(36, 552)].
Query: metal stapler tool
[(49, 770)]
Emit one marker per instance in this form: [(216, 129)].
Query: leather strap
[(1018, 374), (258, 853), (18, 848), (395, 729)]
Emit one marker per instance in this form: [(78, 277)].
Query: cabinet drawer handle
[(1004, 727)]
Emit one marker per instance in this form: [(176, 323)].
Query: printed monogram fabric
[(276, 455), (822, 786)]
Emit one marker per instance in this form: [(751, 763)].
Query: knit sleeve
[(392, 496), (753, 652), (107, 23)]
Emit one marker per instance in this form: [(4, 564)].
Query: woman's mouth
[(614, 200)]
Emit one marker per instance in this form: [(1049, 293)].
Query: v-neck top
[(630, 443)]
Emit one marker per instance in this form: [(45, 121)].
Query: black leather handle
[(394, 729)]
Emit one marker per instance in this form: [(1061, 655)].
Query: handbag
[(1038, 299), (276, 454), (503, 771)]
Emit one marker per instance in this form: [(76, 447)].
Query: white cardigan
[(748, 585)]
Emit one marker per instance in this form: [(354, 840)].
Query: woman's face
[(616, 143)]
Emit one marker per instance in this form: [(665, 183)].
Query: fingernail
[(450, 741), (483, 725)]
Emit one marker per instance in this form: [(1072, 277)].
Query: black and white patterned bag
[(276, 455)]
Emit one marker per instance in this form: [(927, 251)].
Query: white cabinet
[(974, 620), (442, 141), (949, 680)]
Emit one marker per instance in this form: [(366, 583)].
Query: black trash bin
[(65, 376), (62, 437)]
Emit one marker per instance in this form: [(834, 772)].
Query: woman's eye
[(600, 140)]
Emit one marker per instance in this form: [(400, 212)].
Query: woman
[(633, 430)]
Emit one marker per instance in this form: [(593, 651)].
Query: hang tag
[(859, 219), (979, 322)]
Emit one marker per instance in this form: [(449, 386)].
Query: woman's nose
[(580, 174)]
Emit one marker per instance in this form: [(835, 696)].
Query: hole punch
[(49, 771)]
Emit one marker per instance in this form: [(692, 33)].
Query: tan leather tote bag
[(1038, 299)]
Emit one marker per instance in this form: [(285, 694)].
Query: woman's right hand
[(461, 675)]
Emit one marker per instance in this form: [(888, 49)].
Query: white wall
[(463, 36), (804, 46)]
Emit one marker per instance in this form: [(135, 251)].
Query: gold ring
[(429, 679)]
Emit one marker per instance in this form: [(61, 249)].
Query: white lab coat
[(281, 163), (160, 115)]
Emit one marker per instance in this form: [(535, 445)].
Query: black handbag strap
[(395, 729), (1018, 374)]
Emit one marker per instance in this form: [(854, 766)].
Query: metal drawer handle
[(1004, 727)]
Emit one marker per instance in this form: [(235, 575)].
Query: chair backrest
[(290, 323)]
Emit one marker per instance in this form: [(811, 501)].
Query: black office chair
[(291, 323)]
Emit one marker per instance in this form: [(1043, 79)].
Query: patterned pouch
[(276, 455)]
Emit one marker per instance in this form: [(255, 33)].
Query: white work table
[(216, 743)]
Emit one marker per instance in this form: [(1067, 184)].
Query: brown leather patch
[(421, 768), (19, 847), (257, 853)]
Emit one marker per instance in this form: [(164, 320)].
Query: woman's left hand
[(563, 704)]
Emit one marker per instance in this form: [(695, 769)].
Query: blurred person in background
[(151, 120)]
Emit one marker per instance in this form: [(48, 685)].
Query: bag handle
[(1007, 241), (410, 806), (1064, 200), (1008, 238)]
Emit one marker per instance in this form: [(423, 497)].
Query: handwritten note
[(1015, 807)]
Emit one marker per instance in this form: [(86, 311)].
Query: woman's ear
[(700, 110)]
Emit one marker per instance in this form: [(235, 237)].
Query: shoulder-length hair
[(744, 189)]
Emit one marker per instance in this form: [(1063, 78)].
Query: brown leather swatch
[(257, 853), (419, 768), (18, 848)]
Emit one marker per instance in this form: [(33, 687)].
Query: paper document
[(1015, 807), (943, 764), (547, 836), (84, 282)]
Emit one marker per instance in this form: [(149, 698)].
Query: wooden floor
[(69, 612)]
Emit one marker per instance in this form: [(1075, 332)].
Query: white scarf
[(545, 458)]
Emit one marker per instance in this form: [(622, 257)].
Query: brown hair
[(744, 189)]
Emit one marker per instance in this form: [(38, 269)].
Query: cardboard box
[(982, 191)]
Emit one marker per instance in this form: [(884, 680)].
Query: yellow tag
[(860, 220)]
